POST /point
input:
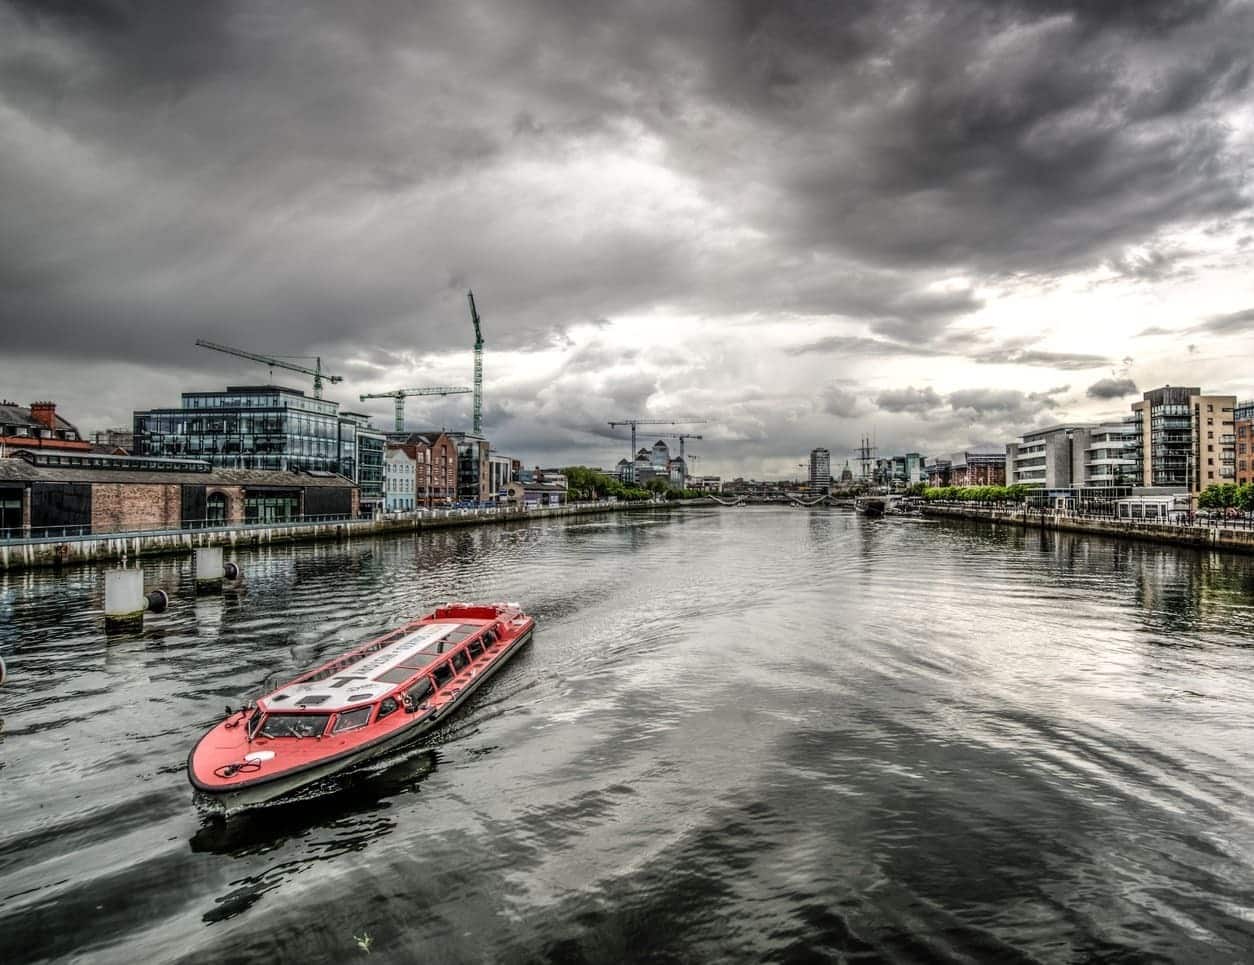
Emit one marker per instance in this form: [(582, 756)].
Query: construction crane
[(400, 395), (277, 362), (474, 317), (681, 436), (631, 462)]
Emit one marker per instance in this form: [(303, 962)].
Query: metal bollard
[(158, 600)]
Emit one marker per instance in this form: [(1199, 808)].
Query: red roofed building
[(38, 428)]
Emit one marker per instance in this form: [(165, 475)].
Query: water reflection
[(745, 734), (341, 804)]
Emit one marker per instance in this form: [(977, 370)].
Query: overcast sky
[(939, 222)]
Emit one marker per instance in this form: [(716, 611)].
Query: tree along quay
[(1197, 535), (68, 550)]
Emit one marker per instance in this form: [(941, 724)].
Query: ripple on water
[(758, 734)]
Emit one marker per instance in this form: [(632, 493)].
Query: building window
[(215, 510)]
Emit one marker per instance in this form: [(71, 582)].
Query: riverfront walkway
[(1236, 535), (86, 547)]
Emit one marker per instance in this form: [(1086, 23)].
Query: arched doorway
[(215, 509)]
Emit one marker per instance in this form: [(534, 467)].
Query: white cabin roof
[(373, 674)]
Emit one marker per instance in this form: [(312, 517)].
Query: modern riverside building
[(1104, 455), (1165, 436), (1243, 423), (820, 471), (1042, 459), (266, 427), (978, 469), (900, 471), (1214, 441), (48, 493), (369, 445), (1076, 464), (935, 472), (1184, 439)]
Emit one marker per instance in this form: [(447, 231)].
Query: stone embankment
[(1199, 536), (23, 554)]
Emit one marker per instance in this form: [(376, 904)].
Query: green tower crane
[(474, 317), (400, 395)]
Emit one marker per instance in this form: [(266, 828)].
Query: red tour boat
[(357, 707)]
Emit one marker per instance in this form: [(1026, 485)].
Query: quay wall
[(1195, 536), (65, 551)]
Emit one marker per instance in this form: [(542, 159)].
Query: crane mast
[(277, 362), (399, 396), (478, 411)]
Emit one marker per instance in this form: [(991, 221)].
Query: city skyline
[(900, 218)]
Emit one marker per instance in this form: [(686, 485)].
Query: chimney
[(44, 413)]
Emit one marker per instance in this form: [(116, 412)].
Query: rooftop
[(23, 470)]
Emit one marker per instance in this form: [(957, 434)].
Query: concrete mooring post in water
[(208, 569), (126, 601)]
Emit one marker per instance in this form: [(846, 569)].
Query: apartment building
[(1243, 423), (1185, 438)]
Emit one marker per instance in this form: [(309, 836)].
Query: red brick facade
[(436, 456), (119, 507), (978, 475)]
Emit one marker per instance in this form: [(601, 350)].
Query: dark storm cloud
[(1004, 402), (331, 178), (917, 401), (977, 403), (1111, 389), (1233, 323), (842, 402), (1053, 360), (1153, 265)]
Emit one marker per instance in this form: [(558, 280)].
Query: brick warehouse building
[(79, 494)]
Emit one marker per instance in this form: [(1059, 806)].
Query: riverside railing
[(1178, 520), (43, 534)]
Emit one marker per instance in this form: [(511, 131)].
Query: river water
[(757, 734)]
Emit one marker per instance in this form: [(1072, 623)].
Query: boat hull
[(265, 789)]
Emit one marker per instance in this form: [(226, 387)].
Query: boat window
[(421, 690), (475, 648), (294, 725), (387, 706), (489, 638), (460, 660), (351, 719), (443, 674), (254, 722)]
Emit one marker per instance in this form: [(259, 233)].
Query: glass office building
[(245, 427), (367, 445), (267, 427)]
